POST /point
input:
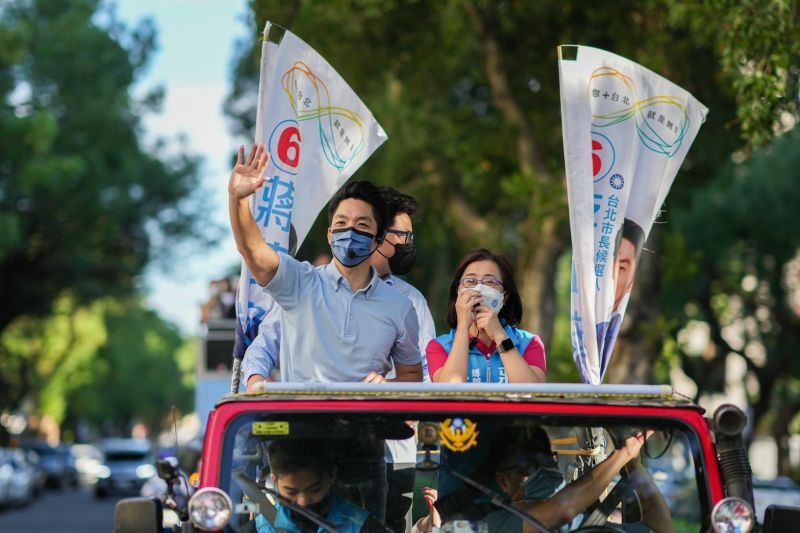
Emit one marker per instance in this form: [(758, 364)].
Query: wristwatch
[(505, 345)]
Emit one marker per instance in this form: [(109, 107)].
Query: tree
[(468, 93), (134, 376), (105, 365), (734, 264), (83, 205)]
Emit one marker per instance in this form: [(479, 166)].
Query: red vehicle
[(616, 458)]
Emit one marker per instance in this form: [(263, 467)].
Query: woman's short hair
[(512, 308)]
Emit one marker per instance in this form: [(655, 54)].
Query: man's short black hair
[(290, 456), (633, 232), (398, 202), (367, 192)]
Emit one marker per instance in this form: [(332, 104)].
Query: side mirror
[(138, 515), (781, 518), (167, 471)]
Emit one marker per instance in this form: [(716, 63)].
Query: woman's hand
[(430, 495), (246, 176), (487, 320), (465, 304)]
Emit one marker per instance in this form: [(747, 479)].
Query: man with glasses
[(396, 256)]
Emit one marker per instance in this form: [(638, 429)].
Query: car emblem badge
[(459, 434)]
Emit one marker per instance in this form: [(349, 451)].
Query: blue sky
[(193, 62)]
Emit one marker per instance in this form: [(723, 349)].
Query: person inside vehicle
[(303, 474), (339, 322), (432, 520), (484, 344), (528, 473)]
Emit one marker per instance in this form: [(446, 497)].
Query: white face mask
[(492, 298)]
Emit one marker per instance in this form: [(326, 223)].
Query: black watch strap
[(505, 345)]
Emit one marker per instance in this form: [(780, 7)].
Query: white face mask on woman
[(492, 298)]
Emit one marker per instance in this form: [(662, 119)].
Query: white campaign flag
[(318, 133), (626, 132)]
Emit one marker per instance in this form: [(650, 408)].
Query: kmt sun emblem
[(458, 434)]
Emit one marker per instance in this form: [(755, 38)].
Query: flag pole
[(240, 344)]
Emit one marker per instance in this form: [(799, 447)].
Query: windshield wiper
[(497, 500)]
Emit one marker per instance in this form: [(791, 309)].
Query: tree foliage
[(103, 366), (83, 204), (734, 265), (136, 375), (468, 93)]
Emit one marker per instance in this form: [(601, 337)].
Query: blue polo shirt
[(330, 333)]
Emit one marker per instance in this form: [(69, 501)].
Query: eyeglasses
[(489, 281), (407, 237)]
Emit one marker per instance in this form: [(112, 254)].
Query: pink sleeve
[(534, 354), (436, 356)]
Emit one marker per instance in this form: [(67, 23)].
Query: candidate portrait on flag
[(626, 131)]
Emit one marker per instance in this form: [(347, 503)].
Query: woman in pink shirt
[(484, 344)]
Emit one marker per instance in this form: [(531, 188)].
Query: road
[(61, 511)]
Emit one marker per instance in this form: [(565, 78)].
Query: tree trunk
[(536, 280)]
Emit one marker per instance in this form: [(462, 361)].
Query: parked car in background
[(6, 473), (127, 465), (54, 462), (39, 475), (22, 484), (778, 491), (70, 471), (88, 459)]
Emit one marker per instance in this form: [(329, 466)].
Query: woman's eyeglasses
[(489, 281)]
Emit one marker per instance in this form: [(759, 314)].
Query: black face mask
[(320, 508), (405, 255)]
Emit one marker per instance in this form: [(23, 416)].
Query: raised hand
[(465, 302), (246, 176), (634, 443), (487, 320)]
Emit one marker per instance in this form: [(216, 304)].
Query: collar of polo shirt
[(337, 279)]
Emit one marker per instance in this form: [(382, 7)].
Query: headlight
[(732, 515), (103, 472), (210, 509), (145, 471)]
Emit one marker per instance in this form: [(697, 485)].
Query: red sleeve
[(436, 355), (534, 354)]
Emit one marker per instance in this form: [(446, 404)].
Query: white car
[(23, 479), (6, 472)]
